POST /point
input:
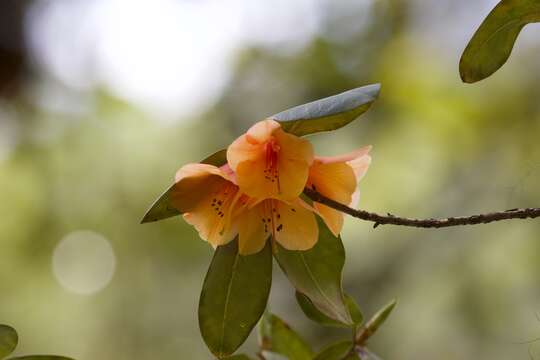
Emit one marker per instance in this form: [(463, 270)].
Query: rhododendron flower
[(337, 178), (211, 201), (207, 197), (291, 224), (270, 163)]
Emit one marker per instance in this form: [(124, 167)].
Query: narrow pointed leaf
[(316, 273), (492, 44), (337, 351), (371, 327), (233, 297), (278, 337), (316, 315), (330, 113), (8, 340), (41, 357), (162, 207)]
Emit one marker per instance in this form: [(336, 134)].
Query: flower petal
[(331, 217), (251, 145), (295, 227), (360, 166), (336, 181), (252, 232), (294, 159), (206, 197), (269, 163), (355, 154)]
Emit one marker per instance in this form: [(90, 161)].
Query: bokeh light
[(84, 262)]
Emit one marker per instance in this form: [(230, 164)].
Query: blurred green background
[(102, 101)]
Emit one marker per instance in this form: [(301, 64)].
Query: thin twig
[(377, 219)]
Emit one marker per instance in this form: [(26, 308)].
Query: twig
[(377, 219)]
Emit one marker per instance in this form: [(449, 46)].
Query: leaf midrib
[(226, 307), (317, 285)]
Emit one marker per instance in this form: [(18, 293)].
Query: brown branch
[(528, 213)]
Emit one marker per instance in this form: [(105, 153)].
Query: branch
[(528, 213)]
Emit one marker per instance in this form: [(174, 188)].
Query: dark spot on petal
[(280, 227)]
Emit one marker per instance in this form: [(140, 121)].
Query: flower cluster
[(257, 194)]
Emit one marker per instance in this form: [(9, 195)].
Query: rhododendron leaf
[(233, 297), (336, 351), (41, 357), (378, 319), (316, 315), (316, 273), (330, 113), (492, 43), (8, 340), (162, 208), (276, 336)]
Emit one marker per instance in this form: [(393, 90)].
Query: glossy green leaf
[(276, 336), (8, 340), (41, 357), (314, 314), (233, 297), (337, 351), (316, 273), (492, 44), (371, 327), (162, 209), (330, 113)]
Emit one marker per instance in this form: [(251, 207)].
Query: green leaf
[(233, 297), (330, 113), (492, 44), (337, 351), (276, 336), (371, 327), (41, 357), (8, 340), (316, 273), (314, 314), (162, 208)]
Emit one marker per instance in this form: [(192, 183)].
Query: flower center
[(271, 171)]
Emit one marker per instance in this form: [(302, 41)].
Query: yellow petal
[(331, 217), (252, 232), (294, 227), (269, 163), (205, 196), (337, 182), (333, 180), (251, 145), (294, 159)]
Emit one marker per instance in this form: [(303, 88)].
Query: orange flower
[(292, 224), (337, 178), (212, 202), (270, 163), (208, 198)]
